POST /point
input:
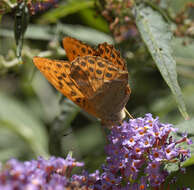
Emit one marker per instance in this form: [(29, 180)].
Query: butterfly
[(94, 79)]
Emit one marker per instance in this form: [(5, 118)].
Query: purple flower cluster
[(136, 156), (52, 174), (36, 6), (137, 152)]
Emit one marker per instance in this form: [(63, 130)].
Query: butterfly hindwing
[(96, 71), (108, 52), (75, 48)]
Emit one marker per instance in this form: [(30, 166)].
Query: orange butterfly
[(96, 80)]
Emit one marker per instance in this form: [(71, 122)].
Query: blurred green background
[(37, 120)]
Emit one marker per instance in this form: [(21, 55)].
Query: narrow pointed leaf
[(156, 35), (17, 118), (65, 9)]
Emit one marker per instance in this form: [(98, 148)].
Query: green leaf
[(18, 119), (20, 149), (39, 32), (86, 141), (187, 127), (94, 20), (64, 10), (167, 104), (61, 127), (154, 32), (45, 93), (176, 6), (85, 34), (183, 51)]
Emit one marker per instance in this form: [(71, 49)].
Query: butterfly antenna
[(126, 111)]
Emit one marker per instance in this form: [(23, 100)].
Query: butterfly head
[(114, 119)]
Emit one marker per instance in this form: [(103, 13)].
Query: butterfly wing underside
[(108, 52), (91, 82), (105, 86), (115, 95), (96, 80), (75, 48), (57, 73)]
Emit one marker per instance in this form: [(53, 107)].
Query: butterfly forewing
[(75, 48), (57, 73)]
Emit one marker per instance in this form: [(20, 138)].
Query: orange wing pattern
[(75, 48), (96, 80), (108, 52), (57, 73), (92, 71)]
